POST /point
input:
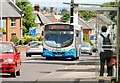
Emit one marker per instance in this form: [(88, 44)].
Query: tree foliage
[(28, 19), (86, 15), (111, 14), (66, 17)]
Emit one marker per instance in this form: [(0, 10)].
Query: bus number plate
[(58, 55)]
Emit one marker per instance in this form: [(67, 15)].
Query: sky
[(59, 3)]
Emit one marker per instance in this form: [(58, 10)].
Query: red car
[(9, 59)]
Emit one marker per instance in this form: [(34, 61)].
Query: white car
[(34, 48), (86, 48)]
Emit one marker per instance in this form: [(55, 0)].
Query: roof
[(103, 19), (49, 16), (42, 18), (83, 23), (9, 9)]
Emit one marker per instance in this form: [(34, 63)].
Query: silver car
[(34, 48), (86, 48)]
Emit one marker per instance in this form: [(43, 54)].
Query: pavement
[(85, 71)]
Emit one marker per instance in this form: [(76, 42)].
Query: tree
[(111, 14), (66, 17), (28, 19), (86, 15)]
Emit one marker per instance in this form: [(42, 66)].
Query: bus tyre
[(48, 58), (73, 58), (77, 57)]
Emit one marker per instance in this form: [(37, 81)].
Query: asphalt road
[(36, 67)]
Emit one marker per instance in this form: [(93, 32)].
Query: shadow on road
[(50, 59), (6, 76)]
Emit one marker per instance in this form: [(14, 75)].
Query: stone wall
[(21, 48)]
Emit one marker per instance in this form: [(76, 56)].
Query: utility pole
[(73, 14), (71, 11)]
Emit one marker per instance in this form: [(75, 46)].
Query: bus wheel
[(73, 58), (77, 57), (48, 58)]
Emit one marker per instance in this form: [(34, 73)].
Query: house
[(40, 20), (11, 20), (85, 27), (98, 22), (51, 17)]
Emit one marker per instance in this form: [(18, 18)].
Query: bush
[(24, 40), (14, 39), (85, 39)]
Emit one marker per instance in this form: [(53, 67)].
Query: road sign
[(32, 31)]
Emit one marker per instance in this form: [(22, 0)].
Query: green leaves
[(28, 20), (66, 17), (86, 15)]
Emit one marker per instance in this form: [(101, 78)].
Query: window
[(13, 23)]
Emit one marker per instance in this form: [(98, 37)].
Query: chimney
[(37, 8), (52, 11)]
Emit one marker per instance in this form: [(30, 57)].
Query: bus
[(61, 40)]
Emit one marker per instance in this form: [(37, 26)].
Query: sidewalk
[(79, 73)]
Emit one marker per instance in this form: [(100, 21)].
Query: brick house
[(11, 20)]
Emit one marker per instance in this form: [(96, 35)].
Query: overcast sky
[(48, 3)]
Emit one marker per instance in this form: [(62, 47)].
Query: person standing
[(105, 53)]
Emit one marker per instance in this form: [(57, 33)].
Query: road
[(36, 67)]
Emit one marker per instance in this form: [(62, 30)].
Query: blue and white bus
[(61, 40)]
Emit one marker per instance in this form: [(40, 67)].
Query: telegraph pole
[(71, 11)]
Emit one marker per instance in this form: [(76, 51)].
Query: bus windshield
[(61, 37), (58, 38)]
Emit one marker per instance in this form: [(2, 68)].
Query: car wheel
[(27, 55), (14, 73), (90, 53), (18, 73)]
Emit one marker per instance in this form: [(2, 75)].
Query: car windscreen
[(34, 44), (86, 45), (6, 48)]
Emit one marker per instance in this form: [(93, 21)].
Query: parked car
[(34, 48), (86, 48), (9, 59)]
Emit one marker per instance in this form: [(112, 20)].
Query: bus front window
[(58, 38)]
